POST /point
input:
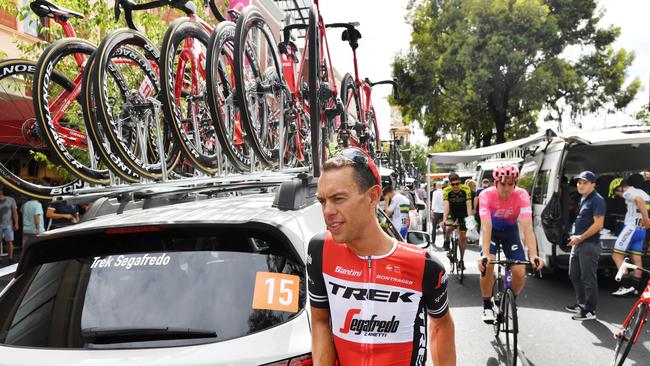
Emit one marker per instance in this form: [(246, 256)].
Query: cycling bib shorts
[(630, 240)]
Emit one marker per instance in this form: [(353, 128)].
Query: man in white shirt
[(397, 208), (437, 210), (632, 238)]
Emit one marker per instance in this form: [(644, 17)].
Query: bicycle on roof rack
[(359, 126)]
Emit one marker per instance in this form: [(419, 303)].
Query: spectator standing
[(485, 183), (585, 251), (8, 221), (33, 221), (437, 210), (397, 208), (62, 214)]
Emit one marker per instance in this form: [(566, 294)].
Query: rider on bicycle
[(458, 205), (502, 208)]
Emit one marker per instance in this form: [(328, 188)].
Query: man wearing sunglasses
[(503, 208), (371, 296), (457, 206)]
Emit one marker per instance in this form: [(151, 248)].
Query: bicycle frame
[(644, 298)]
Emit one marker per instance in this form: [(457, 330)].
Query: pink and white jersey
[(504, 213)]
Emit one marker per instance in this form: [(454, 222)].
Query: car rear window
[(159, 288)]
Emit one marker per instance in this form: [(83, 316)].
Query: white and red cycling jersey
[(378, 304)]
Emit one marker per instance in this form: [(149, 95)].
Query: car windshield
[(159, 289)]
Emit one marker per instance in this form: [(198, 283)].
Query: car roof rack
[(297, 190)]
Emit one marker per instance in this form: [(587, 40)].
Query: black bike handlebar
[(507, 263), (129, 6), (391, 82), (286, 31), (350, 25)]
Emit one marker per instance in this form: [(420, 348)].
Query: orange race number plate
[(276, 291)]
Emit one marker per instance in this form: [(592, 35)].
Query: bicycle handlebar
[(506, 262), (129, 6), (625, 266), (392, 82), (286, 31), (350, 25)]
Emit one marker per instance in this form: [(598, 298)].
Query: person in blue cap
[(585, 248)]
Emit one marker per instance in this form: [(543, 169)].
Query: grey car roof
[(255, 208)]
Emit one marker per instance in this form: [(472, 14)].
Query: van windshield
[(169, 288)]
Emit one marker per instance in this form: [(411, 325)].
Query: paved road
[(548, 336)]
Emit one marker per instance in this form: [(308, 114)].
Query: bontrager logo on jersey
[(370, 294), (369, 327), (346, 271)]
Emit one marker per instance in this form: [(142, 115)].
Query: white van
[(549, 166), (485, 168)]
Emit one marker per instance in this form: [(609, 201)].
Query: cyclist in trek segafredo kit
[(378, 294), (502, 208), (632, 238)]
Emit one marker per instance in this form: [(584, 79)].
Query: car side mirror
[(419, 238)]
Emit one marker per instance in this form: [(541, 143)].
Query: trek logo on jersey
[(370, 327), (370, 294), (347, 272)]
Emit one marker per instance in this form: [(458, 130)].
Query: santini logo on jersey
[(349, 272), (371, 294), (371, 327)]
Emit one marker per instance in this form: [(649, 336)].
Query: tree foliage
[(482, 70)]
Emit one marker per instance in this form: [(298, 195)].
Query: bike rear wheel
[(221, 99), (25, 160), (351, 117), (510, 327), (258, 96), (184, 92), (319, 152), (628, 334), (59, 111), (130, 123)]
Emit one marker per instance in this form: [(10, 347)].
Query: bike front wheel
[(627, 336), (510, 327)]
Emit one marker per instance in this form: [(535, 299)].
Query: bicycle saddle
[(351, 35), (44, 8)]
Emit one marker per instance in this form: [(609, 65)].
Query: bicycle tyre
[(43, 98), (624, 342), (373, 140), (511, 327), (254, 110), (197, 140), (17, 75), (497, 294), (143, 53), (318, 150), (220, 80), (95, 130), (349, 94)]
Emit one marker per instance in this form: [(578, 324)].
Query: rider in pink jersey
[(503, 208)]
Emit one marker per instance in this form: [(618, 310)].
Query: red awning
[(14, 112)]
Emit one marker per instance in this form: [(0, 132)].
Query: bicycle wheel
[(258, 96), (94, 128), (25, 159), (627, 336), (129, 121), (372, 140), (510, 327), (351, 113), (184, 92), (315, 113), (221, 101), (497, 293), (59, 111)]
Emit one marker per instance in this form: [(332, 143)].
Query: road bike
[(630, 330), (266, 81), (359, 126), (457, 266), (504, 300)]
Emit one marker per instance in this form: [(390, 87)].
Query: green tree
[(483, 70), (642, 116)]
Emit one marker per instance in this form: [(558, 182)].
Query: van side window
[(526, 181), (540, 189)]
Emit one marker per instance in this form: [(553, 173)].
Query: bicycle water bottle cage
[(351, 35), (46, 9)]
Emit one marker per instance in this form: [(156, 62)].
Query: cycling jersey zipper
[(369, 262)]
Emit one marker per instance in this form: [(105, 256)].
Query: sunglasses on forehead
[(359, 157)]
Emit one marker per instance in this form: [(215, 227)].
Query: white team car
[(182, 278)]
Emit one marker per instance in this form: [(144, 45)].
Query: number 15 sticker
[(276, 291)]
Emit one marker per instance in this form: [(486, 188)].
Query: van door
[(547, 201)]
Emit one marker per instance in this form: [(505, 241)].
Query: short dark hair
[(388, 189), (363, 175), (453, 177), (634, 180)]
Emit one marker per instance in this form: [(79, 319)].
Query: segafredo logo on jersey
[(371, 294), (372, 327)]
